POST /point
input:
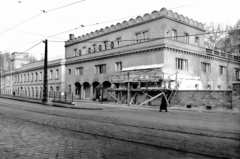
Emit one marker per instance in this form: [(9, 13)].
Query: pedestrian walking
[(163, 105)]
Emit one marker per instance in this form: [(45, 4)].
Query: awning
[(142, 67)]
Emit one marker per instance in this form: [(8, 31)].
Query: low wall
[(236, 95), (202, 98)]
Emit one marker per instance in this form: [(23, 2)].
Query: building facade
[(162, 37), (27, 79)]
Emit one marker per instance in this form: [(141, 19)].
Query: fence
[(55, 96)]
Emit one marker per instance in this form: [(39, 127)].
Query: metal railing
[(64, 97)]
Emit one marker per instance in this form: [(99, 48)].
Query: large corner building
[(161, 37)]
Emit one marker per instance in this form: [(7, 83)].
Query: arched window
[(112, 45), (100, 47), (89, 50)]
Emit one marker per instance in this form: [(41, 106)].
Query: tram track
[(112, 137), (136, 126), (124, 125)]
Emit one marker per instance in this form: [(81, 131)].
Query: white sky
[(90, 12)]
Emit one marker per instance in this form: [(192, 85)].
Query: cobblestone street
[(30, 130)]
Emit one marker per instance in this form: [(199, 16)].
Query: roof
[(142, 67)]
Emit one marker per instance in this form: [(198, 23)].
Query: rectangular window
[(197, 40), (84, 51), (99, 69), (36, 76), (51, 74), (219, 87), (181, 64), (197, 86), (69, 71), (237, 74), (57, 89), (205, 67), (40, 76), (28, 78), (69, 89), (186, 38), (79, 71), (174, 34), (94, 47), (118, 66), (74, 52), (24, 78), (222, 70), (79, 52), (209, 87), (32, 77), (118, 42), (57, 74), (145, 36), (105, 44), (138, 37)]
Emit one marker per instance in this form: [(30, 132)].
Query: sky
[(16, 35)]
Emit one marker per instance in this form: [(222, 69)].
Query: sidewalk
[(93, 105)]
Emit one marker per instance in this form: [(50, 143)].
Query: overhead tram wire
[(43, 11), (28, 49), (32, 47), (31, 33), (21, 23), (90, 24), (129, 40), (65, 6), (149, 39)]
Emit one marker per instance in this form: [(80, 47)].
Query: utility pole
[(45, 78)]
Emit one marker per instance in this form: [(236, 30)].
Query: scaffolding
[(142, 85)]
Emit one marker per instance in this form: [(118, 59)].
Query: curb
[(54, 104)]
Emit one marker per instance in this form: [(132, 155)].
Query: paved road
[(30, 130)]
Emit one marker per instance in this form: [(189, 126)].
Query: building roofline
[(155, 15)]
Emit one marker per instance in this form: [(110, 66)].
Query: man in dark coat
[(163, 105)]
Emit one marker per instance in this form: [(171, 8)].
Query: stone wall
[(217, 99), (236, 95), (202, 98)]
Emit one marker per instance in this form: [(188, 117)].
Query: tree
[(5, 60), (32, 58), (215, 32), (234, 37)]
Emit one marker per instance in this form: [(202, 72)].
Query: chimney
[(71, 36)]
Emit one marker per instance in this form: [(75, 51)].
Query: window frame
[(181, 64), (57, 74), (117, 64), (198, 39), (99, 69), (205, 67), (118, 42), (237, 73), (174, 36), (79, 71), (51, 75), (222, 70), (186, 38)]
